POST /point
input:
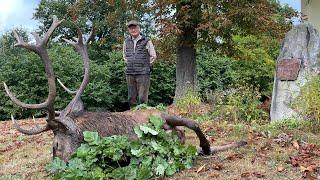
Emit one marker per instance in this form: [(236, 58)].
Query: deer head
[(57, 121)]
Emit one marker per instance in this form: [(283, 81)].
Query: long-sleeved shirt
[(149, 46)]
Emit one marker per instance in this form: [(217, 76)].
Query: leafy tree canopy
[(214, 21)]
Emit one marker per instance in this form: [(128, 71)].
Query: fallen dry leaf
[(308, 175), (307, 160), (211, 139), (248, 175), (253, 159), (234, 156), (296, 145), (310, 168), (280, 168), (216, 166), (201, 168)]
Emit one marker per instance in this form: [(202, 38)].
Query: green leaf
[(136, 152), (177, 150), (160, 170), (156, 121), (100, 158), (147, 130), (157, 147), (147, 161), (188, 163), (91, 138), (142, 151), (171, 169), (161, 165), (97, 173), (83, 151), (191, 151), (138, 132), (144, 172), (57, 165), (113, 153)]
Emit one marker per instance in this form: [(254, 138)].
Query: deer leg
[(177, 121)]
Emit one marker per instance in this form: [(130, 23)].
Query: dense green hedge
[(24, 73)]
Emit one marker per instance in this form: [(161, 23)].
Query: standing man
[(139, 54)]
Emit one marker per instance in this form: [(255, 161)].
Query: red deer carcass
[(69, 124)]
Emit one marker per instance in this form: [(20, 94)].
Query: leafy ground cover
[(274, 151), (154, 154)]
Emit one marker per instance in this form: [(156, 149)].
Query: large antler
[(39, 48), (81, 47)]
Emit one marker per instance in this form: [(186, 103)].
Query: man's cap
[(133, 23)]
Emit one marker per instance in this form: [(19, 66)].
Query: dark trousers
[(138, 86)]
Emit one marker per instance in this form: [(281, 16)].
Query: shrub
[(215, 72), (308, 101), (155, 153), (163, 76), (24, 74), (240, 104), (107, 90), (255, 63), (188, 104), (252, 64)]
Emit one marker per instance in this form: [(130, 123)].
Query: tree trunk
[(188, 16), (185, 71)]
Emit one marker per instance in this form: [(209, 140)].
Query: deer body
[(69, 124), (67, 140)]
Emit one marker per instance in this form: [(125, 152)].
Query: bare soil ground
[(295, 156)]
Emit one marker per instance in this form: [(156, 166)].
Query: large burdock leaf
[(147, 130)]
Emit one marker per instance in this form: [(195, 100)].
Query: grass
[(21, 156), (25, 157)]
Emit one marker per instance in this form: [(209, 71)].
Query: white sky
[(296, 4), (18, 13)]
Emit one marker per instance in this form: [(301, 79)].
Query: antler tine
[(36, 37), (24, 105), (80, 38), (75, 39), (66, 89), (33, 131), (18, 38), (92, 35), (77, 42), (53, 26), (21, 43), (69, 41), (34, 121)]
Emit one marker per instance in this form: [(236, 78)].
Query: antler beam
[(39, 48), (66, 89), (81, 47), (33, 131), (24, 105)]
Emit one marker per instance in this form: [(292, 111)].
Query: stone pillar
[(297, 62)]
